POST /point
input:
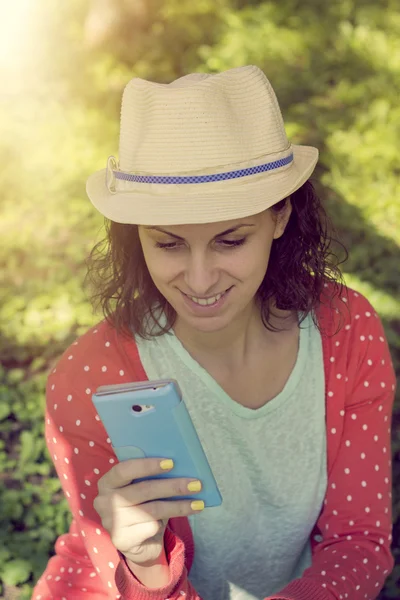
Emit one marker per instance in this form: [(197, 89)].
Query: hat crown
[(199, 122)]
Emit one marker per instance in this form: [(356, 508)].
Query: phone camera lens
[(137, 408)]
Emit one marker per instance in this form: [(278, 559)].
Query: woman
[(219, 274)]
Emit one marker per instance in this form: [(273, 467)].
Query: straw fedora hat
[(204, 148)]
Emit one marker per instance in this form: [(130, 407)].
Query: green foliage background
[(336, 69)]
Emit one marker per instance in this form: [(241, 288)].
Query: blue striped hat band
[(176, 179)]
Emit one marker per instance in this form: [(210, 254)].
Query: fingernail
[(167, 464), (197, 505), (194, 486)]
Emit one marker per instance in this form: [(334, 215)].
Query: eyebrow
[(178, 237)]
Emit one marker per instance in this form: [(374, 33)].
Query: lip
[(211, 309)]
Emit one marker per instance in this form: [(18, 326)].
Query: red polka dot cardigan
[(351, 555)]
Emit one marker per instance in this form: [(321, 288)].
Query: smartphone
[(149, 419)]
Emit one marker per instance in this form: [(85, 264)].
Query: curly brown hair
[(301, 263)]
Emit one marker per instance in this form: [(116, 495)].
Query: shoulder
[(356, 351), (101, 356)]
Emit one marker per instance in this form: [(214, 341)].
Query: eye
[(167, 246), (232, 243)]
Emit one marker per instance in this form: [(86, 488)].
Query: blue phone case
[(162, 429)]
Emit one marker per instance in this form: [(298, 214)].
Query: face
[(210, 273)]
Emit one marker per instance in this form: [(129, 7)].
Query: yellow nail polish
[(194, 486), (197, 505), (167, 464)]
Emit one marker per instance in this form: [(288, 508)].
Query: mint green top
[(269, 464)]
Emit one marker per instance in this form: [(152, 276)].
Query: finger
[(165, 510), (154, 489), (123, 473)]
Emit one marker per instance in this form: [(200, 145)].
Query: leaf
[(5, 410), (27, 447), (16, 572)]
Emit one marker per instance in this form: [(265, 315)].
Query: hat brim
[(210, 203)]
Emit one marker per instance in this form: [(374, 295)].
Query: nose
[(201, 274)]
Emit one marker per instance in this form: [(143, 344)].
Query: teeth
[(206, 302)]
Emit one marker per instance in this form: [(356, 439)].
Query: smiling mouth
[(207, 301)]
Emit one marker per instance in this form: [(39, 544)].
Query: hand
[(131, 512)]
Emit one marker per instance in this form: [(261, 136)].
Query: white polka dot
[(69, 397), (332, 359), (95, 550), (365, 427), (330, 394), (366, 383), (367, 314), (337, 344), (91, 444), (111, 565), (364, 484), (347, 327), (363, 455), (354, 416), (369, 361), (121, 373), (104, 369), (87, 482), (83, 496), (351, 523), (88, 391), (362, 337), (365, 561), (379, 496), (357, 317), (333, 486), (76, 450), (371, 337), (383, 384), (386, 480), (333, 430), (376, 467), (348, 443), (367, 509), (70, 357), (380, 408), (111, 461), (86, 368), (349, 498), (96, 471), (347, 471), (66, 460), (338, 376), (381, 339), (77, 422), (378, 523), (107, 344)]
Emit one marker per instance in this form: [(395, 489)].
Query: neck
[(233, 344)]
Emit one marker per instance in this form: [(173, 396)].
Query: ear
[(282, 218)]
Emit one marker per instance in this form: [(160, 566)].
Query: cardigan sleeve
[(353, 558), (86, 564)]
